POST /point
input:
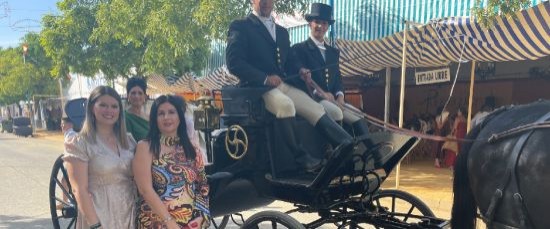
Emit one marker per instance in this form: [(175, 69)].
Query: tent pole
[(402, 93), (471, 97), (387, 92), (332, 40)]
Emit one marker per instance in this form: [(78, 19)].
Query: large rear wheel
[(271, 219), (62, 201)]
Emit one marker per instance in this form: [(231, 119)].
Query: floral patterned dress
[(181, 185)]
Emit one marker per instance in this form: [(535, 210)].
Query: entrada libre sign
[(434, 76)]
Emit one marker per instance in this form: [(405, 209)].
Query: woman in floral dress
[(169, 171)]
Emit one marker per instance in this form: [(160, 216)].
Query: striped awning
[(158, 84), (453, 39), (216, 79)]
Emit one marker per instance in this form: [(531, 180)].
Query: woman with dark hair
[(98, 161), (137, 121), (458, 132), (169, 171)]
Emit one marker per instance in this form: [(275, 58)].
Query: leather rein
[(396, 129), (387, 126)]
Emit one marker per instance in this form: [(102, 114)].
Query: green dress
[(137, 126)]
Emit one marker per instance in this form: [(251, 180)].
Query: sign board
[(434, 76)]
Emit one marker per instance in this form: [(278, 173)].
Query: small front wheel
[(271, 219), (63, 207)]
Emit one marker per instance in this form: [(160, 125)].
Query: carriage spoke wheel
[(271, 219), (62, 201), (401, 206)]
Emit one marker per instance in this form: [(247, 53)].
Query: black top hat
[(320, 11)]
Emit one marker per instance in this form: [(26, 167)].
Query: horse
[(503, 170)]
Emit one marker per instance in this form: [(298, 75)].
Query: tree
[(217, 14), (19, 80), (486, 14), (67, 40), (169, 37), (165, 31)]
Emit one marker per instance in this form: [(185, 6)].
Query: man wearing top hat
[(259, 54), (323, 59)]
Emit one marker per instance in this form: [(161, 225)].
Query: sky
[(17, 17)]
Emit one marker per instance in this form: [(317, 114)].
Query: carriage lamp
[(207, 119), (207, 115)]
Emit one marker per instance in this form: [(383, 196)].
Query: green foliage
[(66, 39), (217, 14), (165, 33), (154, 36), (487, 14), (21, 80)]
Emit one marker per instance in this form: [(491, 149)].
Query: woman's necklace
[(169, 140)]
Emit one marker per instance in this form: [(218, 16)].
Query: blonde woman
[(99, 164)]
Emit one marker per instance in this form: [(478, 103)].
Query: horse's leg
[(464, 209)]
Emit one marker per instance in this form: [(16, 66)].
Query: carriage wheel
[(62, 201), (274, 219), (401, 206)]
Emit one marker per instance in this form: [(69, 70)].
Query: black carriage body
[(252, 181)]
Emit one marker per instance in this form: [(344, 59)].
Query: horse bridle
[(510, 179)]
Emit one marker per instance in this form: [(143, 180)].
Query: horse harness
[(510, 180)]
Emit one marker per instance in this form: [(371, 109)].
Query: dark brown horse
[(505, 171)]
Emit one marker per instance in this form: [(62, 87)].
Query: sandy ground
[(432, 185)]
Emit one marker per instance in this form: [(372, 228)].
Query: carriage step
[(305, 180), (219, 176), (346, 179)]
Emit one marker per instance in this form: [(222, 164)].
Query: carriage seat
[(218, 176), (245, 106)]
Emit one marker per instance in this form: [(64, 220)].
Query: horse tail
[(463, 214)]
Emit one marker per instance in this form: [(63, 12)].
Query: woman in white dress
[(99, 165)]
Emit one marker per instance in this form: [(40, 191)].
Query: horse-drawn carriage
[(243, 174)]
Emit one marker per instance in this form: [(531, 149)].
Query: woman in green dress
[(137, 120)]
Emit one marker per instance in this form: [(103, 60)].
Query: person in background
[(98, 162), (67, 128), (137, 121), (440, 129), (458, 132), (169, 171)]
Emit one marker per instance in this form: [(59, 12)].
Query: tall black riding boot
[(286, 128), (342, 143), (334, 133), (361, 129)]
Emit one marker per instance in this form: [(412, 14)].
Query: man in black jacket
[(323, 59), (259, 54)]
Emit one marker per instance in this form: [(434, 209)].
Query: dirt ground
[(432, 185)]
